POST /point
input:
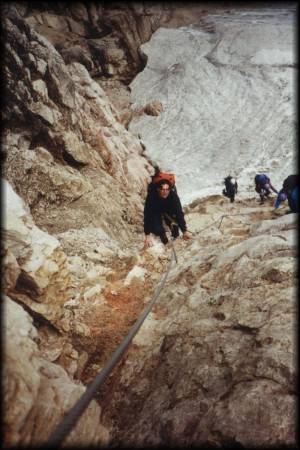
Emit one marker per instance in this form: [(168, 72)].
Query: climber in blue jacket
[(289, 192), (263, 186)]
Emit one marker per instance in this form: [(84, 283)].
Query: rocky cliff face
[(66, 147), (106, 38), (220, 341)]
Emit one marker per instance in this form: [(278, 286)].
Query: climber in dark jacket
[(263, 186), (163, 204), (231, 188)]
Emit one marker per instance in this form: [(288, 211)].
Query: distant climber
[(163, 205), (231, 188), (289, 192), (263, 186)]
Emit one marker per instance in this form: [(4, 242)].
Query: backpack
[(261, 179), (290, 183), (157, 177), (164, 176), (229, 181)]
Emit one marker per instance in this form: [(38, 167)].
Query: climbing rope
[(70, 420), (230, 215), (217, 220)]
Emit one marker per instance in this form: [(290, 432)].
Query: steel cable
[(70, 420), (217, 220)]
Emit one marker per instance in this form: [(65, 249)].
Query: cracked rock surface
[(214, 362)]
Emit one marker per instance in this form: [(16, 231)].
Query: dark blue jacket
[(155, 205), (293, 199)]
